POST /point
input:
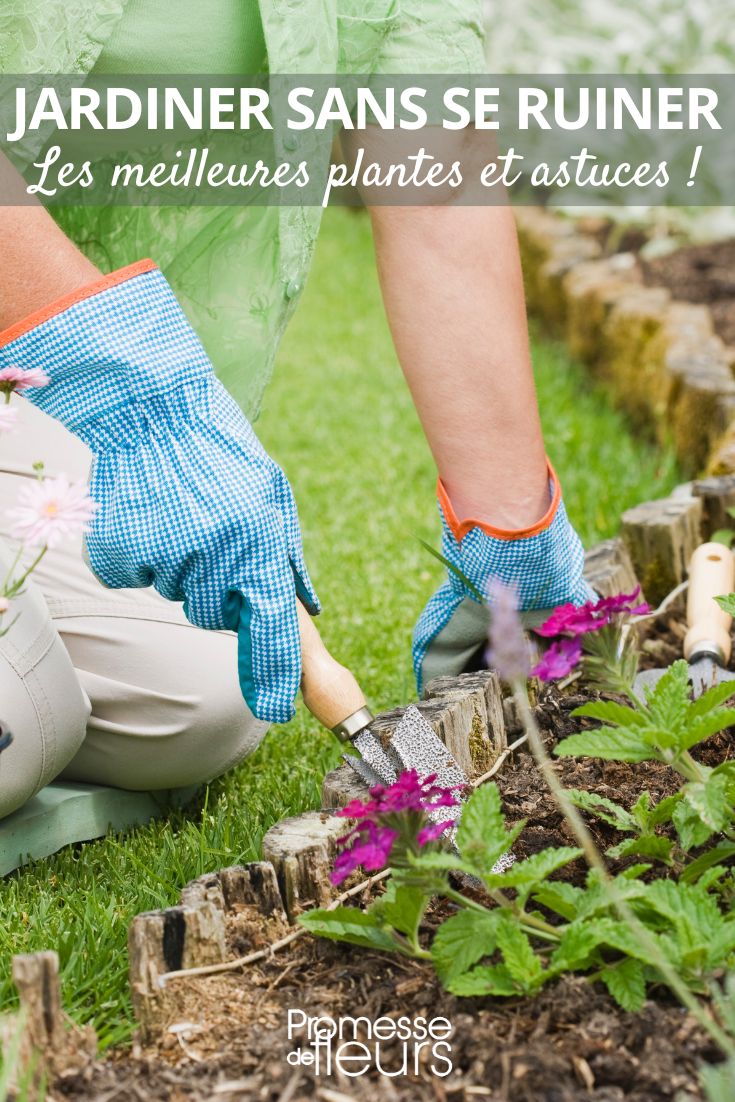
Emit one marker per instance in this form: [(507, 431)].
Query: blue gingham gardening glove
[(189, 501), (544, 563)]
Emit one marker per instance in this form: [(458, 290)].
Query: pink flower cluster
[(573, 622), (399, 810)]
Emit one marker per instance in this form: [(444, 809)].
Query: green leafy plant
[(727, 602), (665, 727), (640, 823), (533, 926)]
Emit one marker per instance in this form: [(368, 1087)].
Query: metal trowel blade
[(703, 674), (375, 766), (413, 745)]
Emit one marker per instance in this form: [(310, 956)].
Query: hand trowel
[(334, 697), (707, 644)]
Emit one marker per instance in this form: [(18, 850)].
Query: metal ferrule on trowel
[(708, 643), (334, 697)]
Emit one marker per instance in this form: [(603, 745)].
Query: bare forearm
[(453, 293), (38, 263)]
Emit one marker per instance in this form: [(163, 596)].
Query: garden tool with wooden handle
[(707, 644), (334, 697)]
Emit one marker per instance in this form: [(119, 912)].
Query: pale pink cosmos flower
[(50, 510), (17, 379), (4, 605), (8, 417)]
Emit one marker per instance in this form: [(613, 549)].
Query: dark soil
[(571, 1043), (703, 274)]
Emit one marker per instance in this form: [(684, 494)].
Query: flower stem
[(695, 772), (19, 582), (533, 925), (11, 570)]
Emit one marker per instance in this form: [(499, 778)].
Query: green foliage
[(723, 851), (509, 948), (463, 940), (602, 808), (610, 660), (727, 602), (402, 907), (640, 821), (655, 846), (352, 925), (662, 728), (626, 982), (481, 836), (607, 37), (454, 569)]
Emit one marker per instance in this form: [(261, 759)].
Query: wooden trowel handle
[(711, 574), (330, 691)]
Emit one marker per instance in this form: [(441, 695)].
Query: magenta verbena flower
[(371, 849), (624, 603), (576, 620), (395, 813), (572, 619), (432, 831), (409, 793), (559, 660)]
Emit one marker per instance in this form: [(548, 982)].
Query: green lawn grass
[(339, 418)]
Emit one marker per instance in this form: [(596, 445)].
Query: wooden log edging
[(662, 358), (661, 535), (466, 712), (192, 935), (41, 1042), (301, 850)]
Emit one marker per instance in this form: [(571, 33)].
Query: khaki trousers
[(109, 687)]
